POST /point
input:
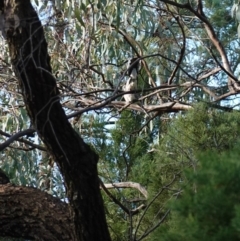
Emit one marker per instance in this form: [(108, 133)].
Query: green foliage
[(202, 128), (199, 130), (208, 207), (130, 155)]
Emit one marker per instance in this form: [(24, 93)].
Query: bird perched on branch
[(133, 67), (129, 86)]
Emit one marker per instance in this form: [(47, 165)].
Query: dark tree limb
[(76, 160), (32, 214), (15, 137)]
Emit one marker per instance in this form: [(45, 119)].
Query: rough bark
[(32, 214), (77, 162)]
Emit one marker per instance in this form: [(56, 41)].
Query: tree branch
[(213, 37), (134, 211), (127, 185), (15, 137)]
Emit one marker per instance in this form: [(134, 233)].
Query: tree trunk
[(77, 162), (29, 213)]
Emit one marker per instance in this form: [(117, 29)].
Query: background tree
[(208, 208)]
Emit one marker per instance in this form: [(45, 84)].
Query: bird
[(133, 67), (130, 86)]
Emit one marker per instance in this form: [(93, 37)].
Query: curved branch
[(128, 185), (165, 107), (125, 209), (213, 37), (191, 84), (16, 136), (209, 73), (105, 187)]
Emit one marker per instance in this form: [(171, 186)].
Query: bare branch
[(150, 203), (209, 73), (212, 36), (105, 187), (128, 185), (15, 137), (125, 209)]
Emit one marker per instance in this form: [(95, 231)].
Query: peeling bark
[(77, 162)]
